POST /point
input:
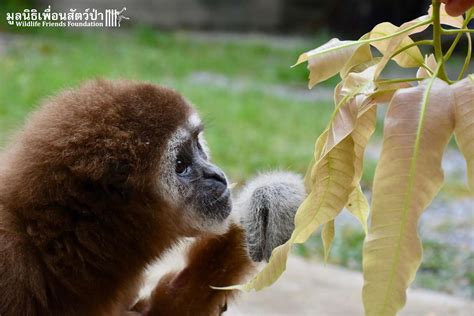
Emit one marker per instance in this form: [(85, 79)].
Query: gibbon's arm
[(211, 260), (267, 205)]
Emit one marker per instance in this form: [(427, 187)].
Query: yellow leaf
[(327, 60), (330, 191), (464, 116), (409, 58), (418, 126), (359, 206), (318, 151), (445, 18), (327, 235), (364, 128), (269, 274)]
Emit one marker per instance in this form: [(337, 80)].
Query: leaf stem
[(368, 40), (422, 42), (468, 57), (456, 31), (397, 80), (437, 41), (458, 36)]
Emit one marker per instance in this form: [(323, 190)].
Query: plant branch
[(397, 80), (468, 56), (437, 41), (423, 42), (456, 31), (458, 36)]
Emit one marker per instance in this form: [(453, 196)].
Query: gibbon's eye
[(182, 167)]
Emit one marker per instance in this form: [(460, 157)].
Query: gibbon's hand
[(267, 205), (457, 7)]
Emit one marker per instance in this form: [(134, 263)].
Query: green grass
[(249, 129)]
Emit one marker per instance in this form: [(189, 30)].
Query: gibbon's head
[(128, 146)]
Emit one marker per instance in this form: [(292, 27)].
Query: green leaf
[(418, 126)]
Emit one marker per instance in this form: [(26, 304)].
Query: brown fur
[(212, 260), (80, 217)]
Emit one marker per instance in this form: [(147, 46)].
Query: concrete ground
[(311, 288)]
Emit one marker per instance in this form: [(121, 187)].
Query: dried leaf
[(327, 60), (418, 126), (464, 116), (409, 58)]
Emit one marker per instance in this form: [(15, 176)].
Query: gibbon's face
[(192, 183)]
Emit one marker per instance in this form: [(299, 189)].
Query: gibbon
[(101, 181)]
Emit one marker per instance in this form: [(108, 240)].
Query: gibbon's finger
[(457, 7)]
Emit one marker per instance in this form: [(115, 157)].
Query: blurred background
[(232, 59)]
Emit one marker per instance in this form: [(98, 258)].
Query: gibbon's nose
[(212, 172)]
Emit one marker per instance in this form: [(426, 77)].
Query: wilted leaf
[(327, 60), (361, 55), (363, 130), (445, 18), (409, 58), (327, 235), (384, 92), (418, 126), (365, 127), (430, 62), (464, 117)]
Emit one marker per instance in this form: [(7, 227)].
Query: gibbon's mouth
[(221, 206), (224, 197)]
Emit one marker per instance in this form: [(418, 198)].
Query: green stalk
[(365, 41), (422, 42), (397, 80), (458, 37), (468, 57), (437, 41), (456, 31)]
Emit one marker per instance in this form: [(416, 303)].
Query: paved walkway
[(311, 288)]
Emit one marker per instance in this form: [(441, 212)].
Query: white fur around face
[(173, 191)]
